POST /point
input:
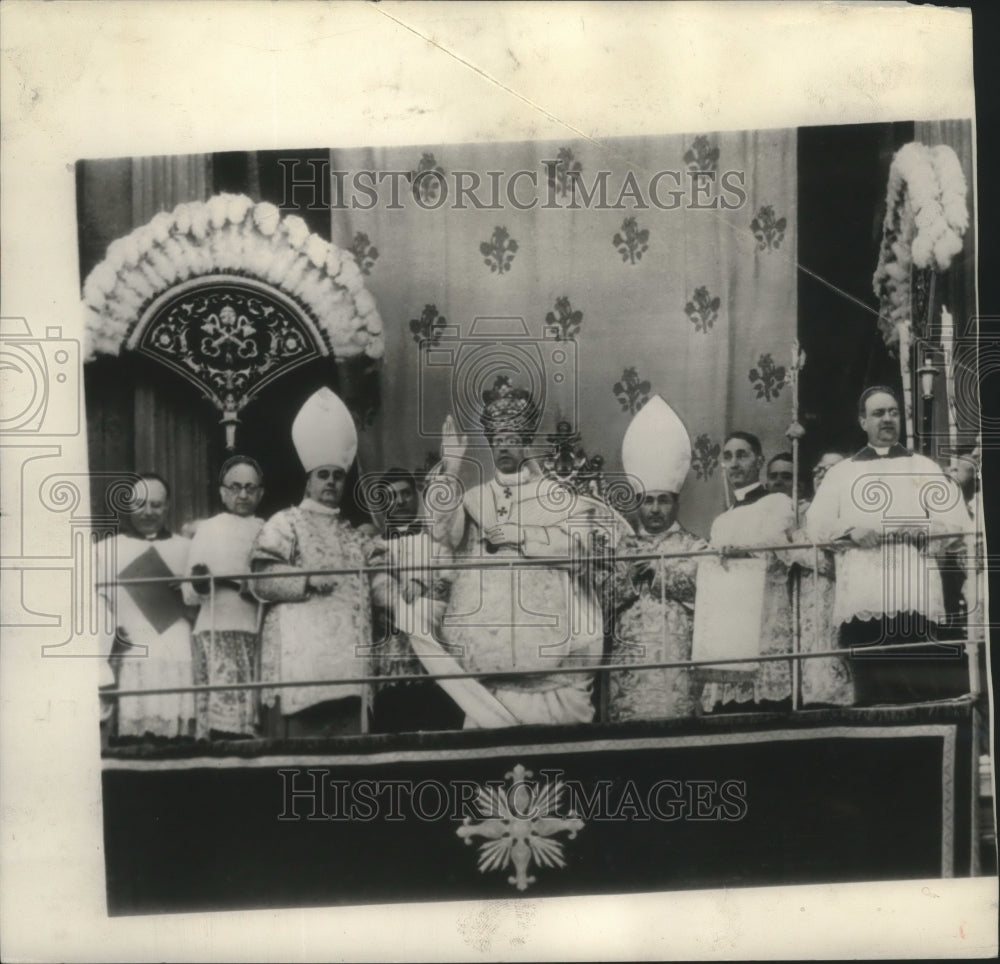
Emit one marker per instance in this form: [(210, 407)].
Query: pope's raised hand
[(453, 444)]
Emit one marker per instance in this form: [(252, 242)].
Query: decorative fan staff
[(926, 218), (230, 295)]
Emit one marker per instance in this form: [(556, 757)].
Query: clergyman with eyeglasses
[(225, 642)]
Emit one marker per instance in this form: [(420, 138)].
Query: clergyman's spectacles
[(236, 488)]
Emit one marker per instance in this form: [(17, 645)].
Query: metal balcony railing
[(596, 562)]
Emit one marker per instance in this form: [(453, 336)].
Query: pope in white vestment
[(521, 618)]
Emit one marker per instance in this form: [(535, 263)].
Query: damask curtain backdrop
[(666, 281)]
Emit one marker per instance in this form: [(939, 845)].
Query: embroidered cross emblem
[(518, 824)]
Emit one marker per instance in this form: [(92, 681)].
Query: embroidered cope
[(305, 635), (654, 625)]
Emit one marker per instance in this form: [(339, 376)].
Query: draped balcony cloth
[(701, 308)]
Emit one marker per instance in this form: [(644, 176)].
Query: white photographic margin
[(115, 79)]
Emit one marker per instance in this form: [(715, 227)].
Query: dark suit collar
[(756, 493), (868, 454)]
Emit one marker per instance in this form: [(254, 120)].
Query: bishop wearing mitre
[(318, 627), (653, 599)]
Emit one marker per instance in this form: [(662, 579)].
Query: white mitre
[(323, 432), (656, 448)]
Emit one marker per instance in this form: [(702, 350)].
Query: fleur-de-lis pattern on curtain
[(565, 321), (611, 276), (703, 155), (702, 309), (562, 172), (428, 328), (427, 180), (632, 241), (704, 457), (631, 391), (499, 251), (365, 253), (768, 228), (768, 379)]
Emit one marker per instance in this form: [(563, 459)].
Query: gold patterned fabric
[(231, 657), (307, 636), (653, 624), (826, 681)]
